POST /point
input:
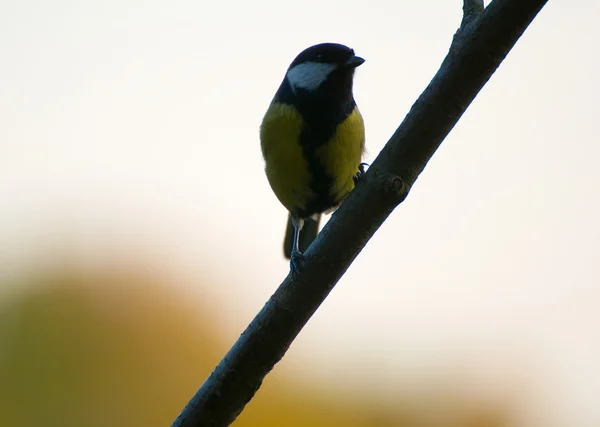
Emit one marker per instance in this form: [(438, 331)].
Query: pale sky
[(140, 120)]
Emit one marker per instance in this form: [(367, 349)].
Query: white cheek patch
[(309, 75)]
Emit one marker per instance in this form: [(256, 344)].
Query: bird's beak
[(354, 62)]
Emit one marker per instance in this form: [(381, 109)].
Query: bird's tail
[(307, 235)]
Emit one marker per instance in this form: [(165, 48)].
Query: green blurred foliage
[(116, 348)]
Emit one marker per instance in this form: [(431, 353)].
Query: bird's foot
[(297, 261), (360, 173)]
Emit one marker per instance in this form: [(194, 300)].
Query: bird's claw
[(360, 173), (297, 261)]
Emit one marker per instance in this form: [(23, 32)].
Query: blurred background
[(139, 235)]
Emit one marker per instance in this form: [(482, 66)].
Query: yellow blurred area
[(115, 347)]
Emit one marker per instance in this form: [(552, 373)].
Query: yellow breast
[(286, 166), (343, 153)]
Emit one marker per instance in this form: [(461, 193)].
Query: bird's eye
[(319, 57)]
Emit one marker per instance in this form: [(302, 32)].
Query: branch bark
[(483, 40)]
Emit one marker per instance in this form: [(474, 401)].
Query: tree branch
[(483, 40)]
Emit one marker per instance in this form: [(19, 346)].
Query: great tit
[(312, 139)]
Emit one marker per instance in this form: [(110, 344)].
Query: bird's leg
[(360, 173), (296, 257)]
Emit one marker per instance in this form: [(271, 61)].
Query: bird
[(313, 139)]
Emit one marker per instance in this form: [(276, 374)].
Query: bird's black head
[(325, 69), (329, 53)]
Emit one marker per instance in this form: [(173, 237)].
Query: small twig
[(472, 9)]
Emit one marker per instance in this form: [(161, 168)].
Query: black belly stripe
[(320, 182), (321, 116)]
